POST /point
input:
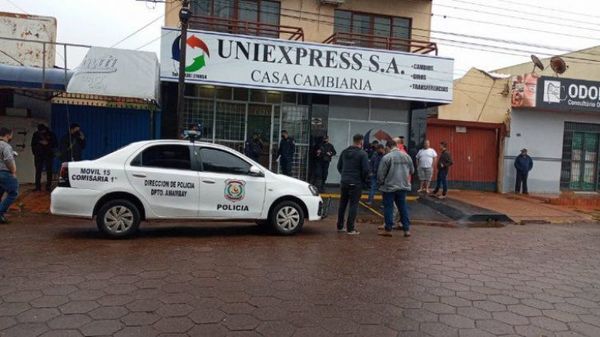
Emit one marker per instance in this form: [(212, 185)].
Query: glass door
[(584, 161), (295, 119), (259, 126)]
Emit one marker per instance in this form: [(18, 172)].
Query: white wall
[(542, 133), (351, 115)]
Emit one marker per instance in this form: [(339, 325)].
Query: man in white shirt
[(425, 160)]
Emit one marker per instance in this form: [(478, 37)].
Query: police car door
[(164, 176), (227, 188)]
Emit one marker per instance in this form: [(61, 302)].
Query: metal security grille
[(199, 111), (231, 116), (580, 157), (294, 119)]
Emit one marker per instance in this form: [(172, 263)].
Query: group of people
[(45, 148), (254, 148), (389, 169)]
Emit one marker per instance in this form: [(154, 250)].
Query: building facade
[(555, 117), (313, 68)]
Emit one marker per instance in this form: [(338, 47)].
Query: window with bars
[(265, 12), (579, 170), (362, 24)]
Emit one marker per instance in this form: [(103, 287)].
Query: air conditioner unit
[(332, 2)]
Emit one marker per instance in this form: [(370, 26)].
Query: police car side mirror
[(256, 172)]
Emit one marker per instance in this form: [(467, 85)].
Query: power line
[(139, 30), (562, 24), (17, 6), (562, 11)]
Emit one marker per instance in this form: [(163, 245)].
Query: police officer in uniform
[(253, 148), (324, 154), (287, 148)]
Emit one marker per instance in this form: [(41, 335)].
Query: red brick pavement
[(58, 277)]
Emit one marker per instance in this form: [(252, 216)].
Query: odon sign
[(266, 63)]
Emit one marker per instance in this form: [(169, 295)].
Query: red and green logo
[(196, 44)]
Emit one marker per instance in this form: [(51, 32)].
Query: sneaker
[(407, 234), (442, 197), (354, 232), (3, 220), (341, 230), (385, 233)]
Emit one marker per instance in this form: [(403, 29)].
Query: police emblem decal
[(235, 190)]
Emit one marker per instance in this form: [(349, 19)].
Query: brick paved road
[(61, 279)]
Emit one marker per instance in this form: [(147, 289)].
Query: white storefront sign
[(273, 64)]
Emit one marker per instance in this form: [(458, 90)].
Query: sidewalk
[(521, 209)]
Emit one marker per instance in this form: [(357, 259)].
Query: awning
[(22, 77)]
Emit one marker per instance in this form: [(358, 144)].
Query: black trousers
[(42, 162), (286, 165), (521, 182), (322, 171), (350, 196)]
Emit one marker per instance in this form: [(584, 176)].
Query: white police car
[(177, 179)]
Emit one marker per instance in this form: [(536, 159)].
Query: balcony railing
[(382, 42), (234, 26)]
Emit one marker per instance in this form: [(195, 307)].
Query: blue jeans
[(9, 185), (399, 199), (442, 182), (373, 189)]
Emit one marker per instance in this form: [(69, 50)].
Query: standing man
[(254, 147), (353, 165), (374, 166), (425, 158), (443, 166), (8, 174), (287, 148), (394, 180), (325, 153), (401, 144), (371, 148), (72, 145), (43, 145), (523, 164)]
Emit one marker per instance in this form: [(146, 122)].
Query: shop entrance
[(584, 161), (231, 122)]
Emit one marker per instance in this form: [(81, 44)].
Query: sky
[(542, 27)]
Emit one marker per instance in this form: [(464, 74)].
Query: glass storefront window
[(259, 96), (240, 94), (273, 97), (224, 93)]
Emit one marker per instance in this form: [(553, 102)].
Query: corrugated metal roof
[(33, 78)]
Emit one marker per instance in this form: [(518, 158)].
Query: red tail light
[(63, 179)]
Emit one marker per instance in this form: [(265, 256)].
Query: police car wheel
[(287, 218), (118, 218)]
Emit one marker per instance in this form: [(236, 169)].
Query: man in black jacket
[(72, 144), (353, 165), (324, 154), (287, 148), (43, 145), (523, 164), (443, 166)]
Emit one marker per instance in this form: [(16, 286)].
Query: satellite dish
[(537, 63), (558, 65)]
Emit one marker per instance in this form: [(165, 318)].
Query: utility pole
[(185, 13)]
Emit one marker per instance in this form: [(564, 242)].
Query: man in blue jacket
[(523, 164)]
